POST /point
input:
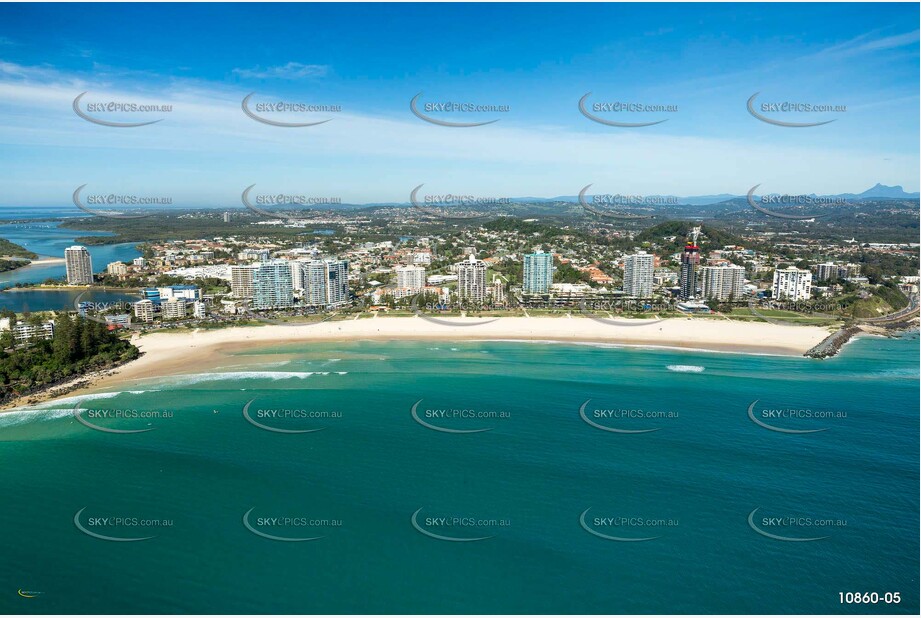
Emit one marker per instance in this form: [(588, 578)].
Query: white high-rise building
[(471, 279), (173, 309), (297, 275), (792, 284), (79, 265), (723, 283), (537, 273), (144, 310), (410, 277), (241, 281), (638, 269), (198, 310)]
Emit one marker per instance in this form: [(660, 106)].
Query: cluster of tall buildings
[(172, 303), (276, 284), (829, 271)]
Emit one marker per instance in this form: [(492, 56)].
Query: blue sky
[(538, 60)]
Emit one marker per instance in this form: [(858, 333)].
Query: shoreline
[(64, 287), (166, 354), (36, 263)]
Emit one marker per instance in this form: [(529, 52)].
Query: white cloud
[(292, 70), (865, 43), (209, 146)]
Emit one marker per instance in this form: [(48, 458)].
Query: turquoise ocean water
[(394, 507)]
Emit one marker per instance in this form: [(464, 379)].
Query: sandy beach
[(45, 260), (171, 353), (39, 261)]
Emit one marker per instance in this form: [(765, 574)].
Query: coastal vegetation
[(79, 346), (12, 250)]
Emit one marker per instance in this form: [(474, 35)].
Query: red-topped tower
[(690, 260)]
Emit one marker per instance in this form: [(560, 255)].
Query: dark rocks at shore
[(832, 344)]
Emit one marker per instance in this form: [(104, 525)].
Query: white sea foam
[(15, 416), (626, 346), (195, 378), (91, 397), (685, 368), (18, 416)]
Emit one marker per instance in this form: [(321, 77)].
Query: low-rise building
[(25, 331), (117, 269)]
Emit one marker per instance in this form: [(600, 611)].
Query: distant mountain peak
[(881, 190)]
